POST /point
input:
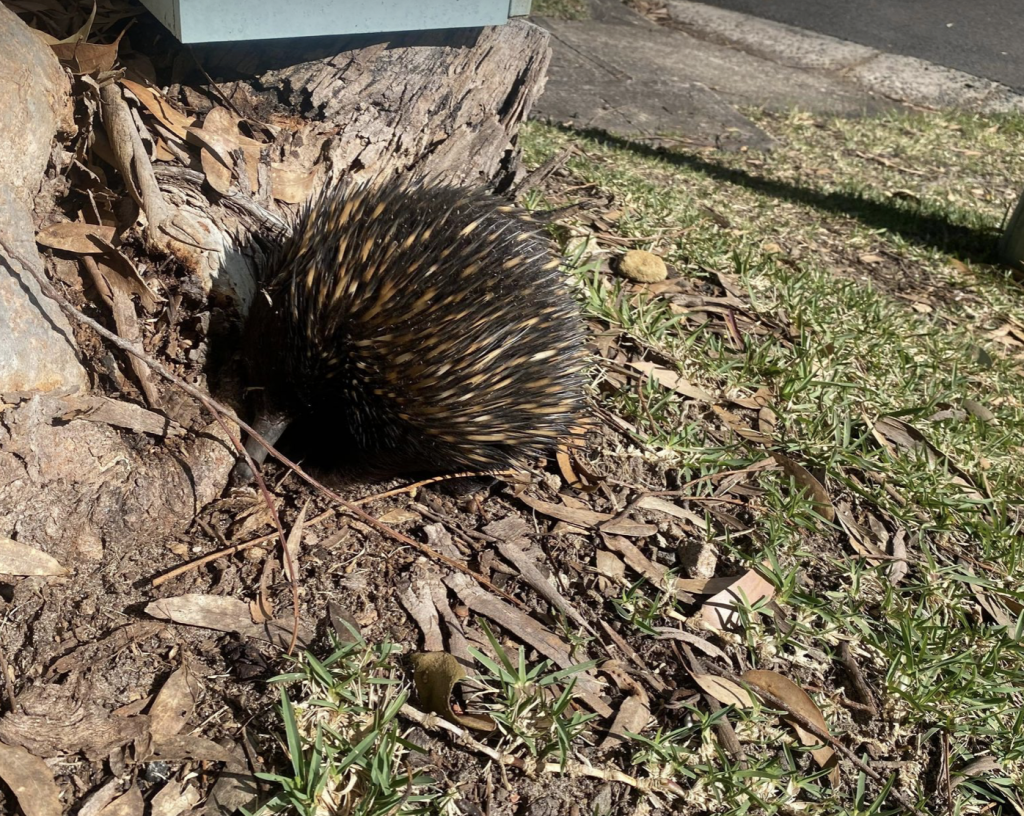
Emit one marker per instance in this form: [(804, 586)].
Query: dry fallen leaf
[(725, 691), (798, 700), (894, 433), (666, 633), (670, 508), (74, 236), (182, 747), (130, 804), (571, 515), (31, 781), (573, 471), (979, 411), (737, 425), (218, 174), (628, 527), (208, 611), (88, 58), (224, 615), (899, 567), (529, 631), (85, 57), (219, 137), (119, 272), (610, 567), (174, 703), (760, 400), (526, 562), (805, 479), (976, 767), (82, 35), (719, 612), (435, 675), (158, 105), (174, 799), (673, 381), (292, 186), (162, 152), (632, 718), (22, 559), (658, 574), (860, 537), (293, 543)]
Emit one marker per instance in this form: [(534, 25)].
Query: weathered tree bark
[(449, 111), (36, 353)]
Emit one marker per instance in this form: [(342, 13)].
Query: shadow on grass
[(918, 227)]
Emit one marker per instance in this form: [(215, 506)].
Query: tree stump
[(185, 194)]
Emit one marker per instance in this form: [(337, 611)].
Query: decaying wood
[(447, 109), (134, 165)]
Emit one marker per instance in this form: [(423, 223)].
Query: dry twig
[(432, 722), (857, 678)]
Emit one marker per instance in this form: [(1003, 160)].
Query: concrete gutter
[(903, 79)]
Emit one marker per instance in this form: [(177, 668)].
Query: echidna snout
[(431, 325)]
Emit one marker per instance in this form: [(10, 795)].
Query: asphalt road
[(981, 37)]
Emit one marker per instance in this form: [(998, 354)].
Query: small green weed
[(344, 741), (530, 705)]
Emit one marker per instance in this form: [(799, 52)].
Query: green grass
[(530, 704), (343, 741), (862, 255), (346, 747), (923, 198)]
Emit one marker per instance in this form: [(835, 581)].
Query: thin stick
[(468, 474), (432, 722), (535, 177), (8, 684), (255, 542), (210, 79), (133, 163), (219, 410), (229, 550), (857, 678)]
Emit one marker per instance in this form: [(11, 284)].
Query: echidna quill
[(433, 324)]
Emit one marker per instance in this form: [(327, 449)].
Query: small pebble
[(642, 266)]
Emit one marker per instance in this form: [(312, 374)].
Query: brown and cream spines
[(433, 323)]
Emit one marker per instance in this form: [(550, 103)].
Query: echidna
[(430, 325)]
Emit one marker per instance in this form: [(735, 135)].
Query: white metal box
[(198, 21)]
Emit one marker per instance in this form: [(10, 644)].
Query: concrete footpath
[(689, 73)]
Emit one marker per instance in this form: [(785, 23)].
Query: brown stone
[(643, 267)]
